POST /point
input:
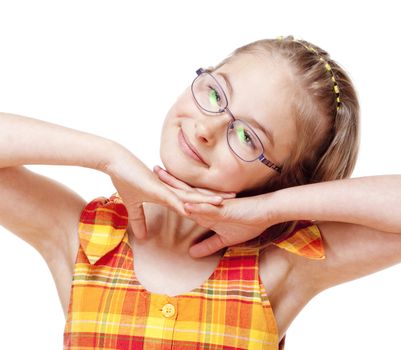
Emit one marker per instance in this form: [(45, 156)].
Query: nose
[(212, 127)]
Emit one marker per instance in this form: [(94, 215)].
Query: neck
[(168, 231)]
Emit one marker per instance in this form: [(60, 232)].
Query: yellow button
[(168, 310)]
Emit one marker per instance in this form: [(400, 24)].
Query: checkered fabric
[(109, 309)]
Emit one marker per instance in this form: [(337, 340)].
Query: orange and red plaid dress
[(109, 309)]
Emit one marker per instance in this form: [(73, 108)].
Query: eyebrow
[(267, 132)]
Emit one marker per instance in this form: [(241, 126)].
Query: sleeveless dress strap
[(305, 240), (102, 226), (302, 238)]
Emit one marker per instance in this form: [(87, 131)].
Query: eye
[(214, 97), (245, 137)]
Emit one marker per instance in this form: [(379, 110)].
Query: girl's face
[(261, 91)]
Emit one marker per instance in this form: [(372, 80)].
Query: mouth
[(188, 148)]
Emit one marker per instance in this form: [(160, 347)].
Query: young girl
[(274, 115)]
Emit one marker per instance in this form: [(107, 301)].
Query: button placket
[(168, 312)]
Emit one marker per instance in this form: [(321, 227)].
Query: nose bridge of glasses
[(216, 116), (229, 113), (224, 117), (218, 120)]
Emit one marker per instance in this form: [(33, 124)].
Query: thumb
[(207, 247)]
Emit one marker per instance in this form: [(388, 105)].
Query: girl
[(224, 136)]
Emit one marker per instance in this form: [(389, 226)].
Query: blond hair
[(327, 139)]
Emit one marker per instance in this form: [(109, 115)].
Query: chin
[(176, 169), (181, 173), (192, 175)]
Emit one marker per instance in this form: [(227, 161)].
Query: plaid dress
[(109, 309)]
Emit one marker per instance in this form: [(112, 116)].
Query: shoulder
[(302, 238), (281, 270), (352, 251), (102, 226), (284, 258)]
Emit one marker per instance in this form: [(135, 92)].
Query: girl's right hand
[(135, 184)]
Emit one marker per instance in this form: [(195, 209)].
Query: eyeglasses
[(242, 140)]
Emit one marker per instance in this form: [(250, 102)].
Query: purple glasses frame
[(261, 157)]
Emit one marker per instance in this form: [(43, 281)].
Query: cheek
[(241, 176), (223, 175), (227, 175), (232, 176), (227, 172)]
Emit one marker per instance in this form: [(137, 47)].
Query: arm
[(373, 201), (39, 210), (26, 140), (352, 251), (45, 213), (360, 223)]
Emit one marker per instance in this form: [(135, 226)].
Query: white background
[(113, 68)]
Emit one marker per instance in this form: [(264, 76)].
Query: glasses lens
[(243, 141), (208, 93)]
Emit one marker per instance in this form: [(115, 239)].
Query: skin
[(224, 170), (162, 261), (352, 249), (361, 234), (170, 232), (207, 133), (170, 235)]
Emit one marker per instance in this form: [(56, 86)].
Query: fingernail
[(217, 198), (188, 206)]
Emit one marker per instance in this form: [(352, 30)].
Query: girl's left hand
[(233, 221)]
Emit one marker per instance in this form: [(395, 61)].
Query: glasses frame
[(261, 157)]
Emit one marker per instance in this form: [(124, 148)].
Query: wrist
[(280, 206), (112, 157)]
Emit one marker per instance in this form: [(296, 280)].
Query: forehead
[(265, 78), (262, 89)]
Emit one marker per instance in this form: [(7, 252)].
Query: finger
[(207, 247), (217, 193), (172, 200), (202, 208), (196, 197), (170, 180), (138, 222), (185, 192)]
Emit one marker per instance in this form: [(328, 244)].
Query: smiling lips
[(188, 149)]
